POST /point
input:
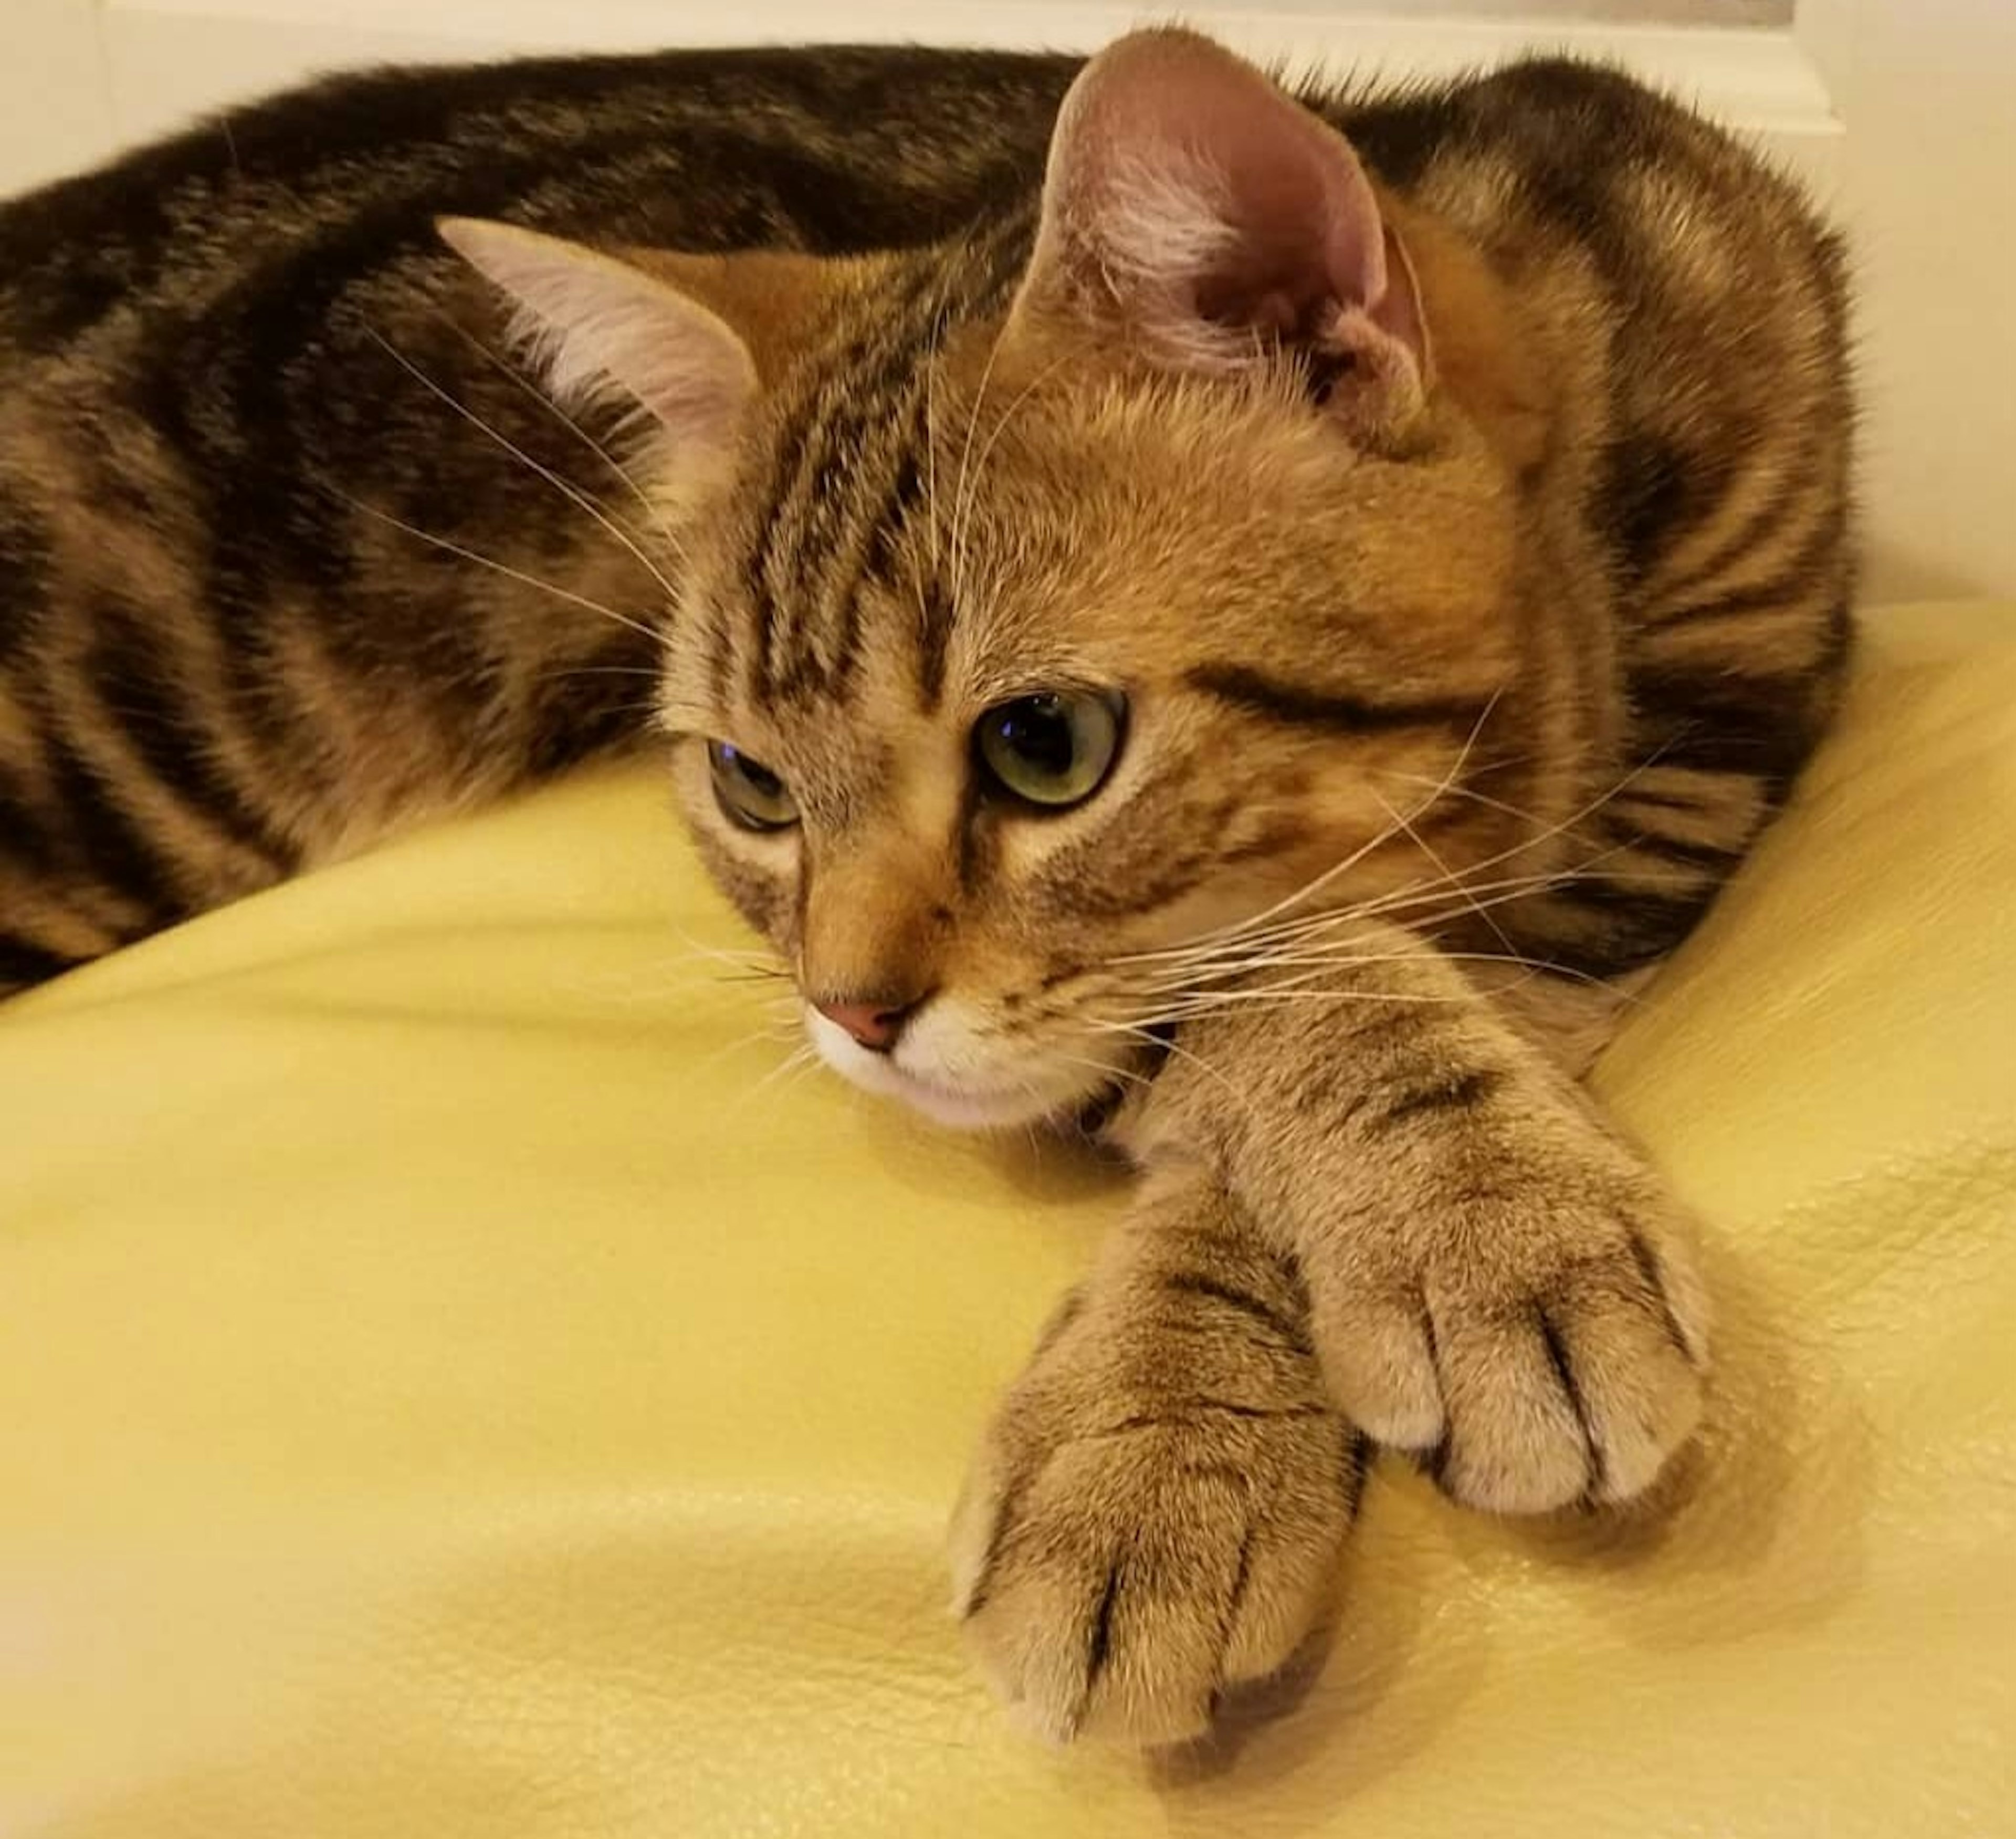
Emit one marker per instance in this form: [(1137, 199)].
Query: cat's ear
[(594, 323), (1193, 209)]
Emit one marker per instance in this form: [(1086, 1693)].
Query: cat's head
[(1059, 631)]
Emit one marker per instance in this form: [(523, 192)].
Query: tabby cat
[(1237, 620)]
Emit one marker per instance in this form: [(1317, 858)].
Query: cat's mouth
[(1082, 1095)]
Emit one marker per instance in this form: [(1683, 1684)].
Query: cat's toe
[(1379, 1362), (1547, 1355), (1633, 1382), (1117, 1587), (1577, 1387)]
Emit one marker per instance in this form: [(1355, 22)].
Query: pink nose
[(874, 1024)]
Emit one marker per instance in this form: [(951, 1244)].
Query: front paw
[(1156, 1515), (1539, 1344)]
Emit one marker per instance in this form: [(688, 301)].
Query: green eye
[(1052, 750), (751, 795)]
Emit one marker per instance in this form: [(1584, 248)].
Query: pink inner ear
[(1194, 189), (1306, 229)]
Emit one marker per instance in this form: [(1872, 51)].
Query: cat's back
[(1695, 306), (830, 149), (1688, 308)]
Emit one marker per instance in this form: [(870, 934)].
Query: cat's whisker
[(740, 957), (581, 495), (1319, 935), (722, 973), (1449, 875), (1415, 893), (491, 562), (1575, 817), (737, 961), (572, 493), (1126, 1075), (1252, 930), (1340, 959), (532, 388), (1318, 882), (1462, 791), (930, 363), (1145, 1033), (962, 507), (683, 718), (1320, 963), (782, 1074), (1296, 991), (686, 986), (727, 1050), (794, 1077), (1497, 893), (1448, 779), (966, 454), (648, 707)]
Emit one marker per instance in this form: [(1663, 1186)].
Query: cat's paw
[(1537, 1346), (1131, 1541)]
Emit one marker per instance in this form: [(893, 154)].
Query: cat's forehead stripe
[(851, 471), (812, 528)]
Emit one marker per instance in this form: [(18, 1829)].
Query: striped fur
[(1470, 581), (216, 670)]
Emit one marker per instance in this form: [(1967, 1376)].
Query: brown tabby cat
[(1243, 644)]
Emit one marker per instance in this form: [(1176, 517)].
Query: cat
[(1235, 619)]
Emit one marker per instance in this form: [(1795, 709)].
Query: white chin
[(972, 1111), (963, 1108)]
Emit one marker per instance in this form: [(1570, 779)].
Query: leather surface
[(446, 1388)]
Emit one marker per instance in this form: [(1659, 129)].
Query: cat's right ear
[(1195, 214), (598, 326)]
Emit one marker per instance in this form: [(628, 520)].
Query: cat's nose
[(874, 1022)]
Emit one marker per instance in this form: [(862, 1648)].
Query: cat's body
[(1456, 560), (215, 670)]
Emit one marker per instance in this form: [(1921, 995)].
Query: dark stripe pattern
[(1256, 693)]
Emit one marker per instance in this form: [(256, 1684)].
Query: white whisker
[(532, 388), (572, 493), (966, 454), (1448, 875), (963, 502), (490, 563), (1254, 930), (1318, 883), (1162, 1044), (779, 1076)]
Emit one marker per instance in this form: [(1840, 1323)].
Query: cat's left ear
[(1193, 209), (595, 324)]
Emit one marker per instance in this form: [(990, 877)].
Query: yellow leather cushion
[(449, 1387)]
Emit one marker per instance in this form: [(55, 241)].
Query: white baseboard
[(171, 57)]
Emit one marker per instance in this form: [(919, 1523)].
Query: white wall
[(1896, 110), (1928, 168), (54, 111)]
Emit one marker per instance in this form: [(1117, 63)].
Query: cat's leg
[(1158, 1508), (1381, 1207), (1496, 1279)]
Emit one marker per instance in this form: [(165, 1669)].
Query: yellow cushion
[(451, 1385)]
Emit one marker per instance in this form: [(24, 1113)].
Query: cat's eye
[(749, 792), (1052, 750)]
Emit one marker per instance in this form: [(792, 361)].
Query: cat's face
[(1140, 659), (1034, 679)]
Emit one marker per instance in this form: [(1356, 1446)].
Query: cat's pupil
[(1051, 749), (747, 791), (1038, 731), (759, 776)]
